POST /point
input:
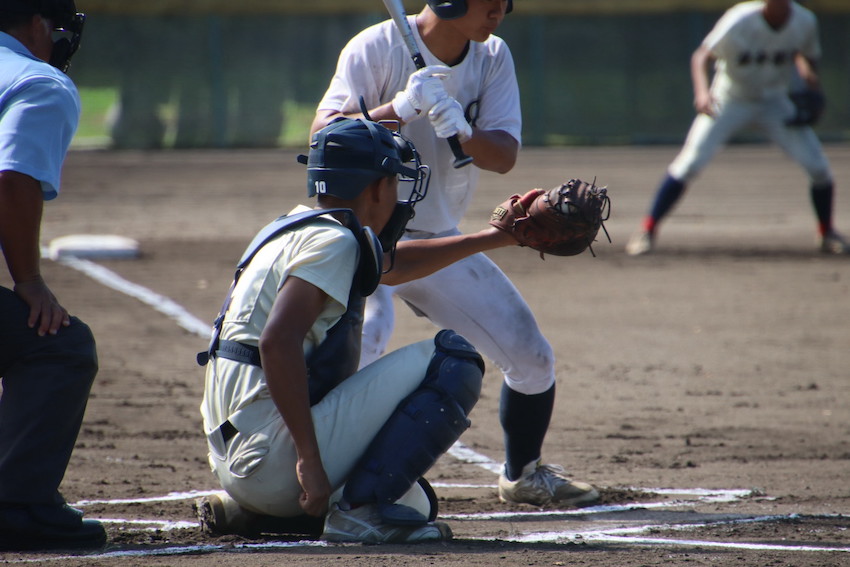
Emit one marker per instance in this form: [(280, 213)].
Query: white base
[(93, 246)]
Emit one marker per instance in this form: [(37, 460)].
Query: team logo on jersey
[(778, 58)]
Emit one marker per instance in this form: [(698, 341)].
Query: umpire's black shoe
[(32, 527)]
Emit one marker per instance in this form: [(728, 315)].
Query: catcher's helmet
[(67, 22), (349, 154), (451, 9)]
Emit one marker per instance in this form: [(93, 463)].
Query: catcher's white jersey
[(755, 61), (257, 467), (376, 65)]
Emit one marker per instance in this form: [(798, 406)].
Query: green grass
[(93, 129), (97, 103)]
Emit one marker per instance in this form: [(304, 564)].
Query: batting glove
[(448, 120), (424, 89)]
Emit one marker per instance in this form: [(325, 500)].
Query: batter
[(469, 89)]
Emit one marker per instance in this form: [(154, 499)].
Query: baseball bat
[(399, 16)]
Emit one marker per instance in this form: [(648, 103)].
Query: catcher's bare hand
[(316, 489), (562, 221)]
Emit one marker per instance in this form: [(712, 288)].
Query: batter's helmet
[(451, 9), (349, 154)]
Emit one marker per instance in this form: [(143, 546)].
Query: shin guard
[(423, 427)]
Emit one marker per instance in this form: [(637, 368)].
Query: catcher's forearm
[(418, 258)]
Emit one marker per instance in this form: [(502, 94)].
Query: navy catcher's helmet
[(451, 9), (349, 154)]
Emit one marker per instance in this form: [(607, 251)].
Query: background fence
[(195, 73)]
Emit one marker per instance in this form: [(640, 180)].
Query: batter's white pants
[(257, 467), (474, 298), (707, 135)]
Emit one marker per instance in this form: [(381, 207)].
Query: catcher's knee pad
[(423, 426)]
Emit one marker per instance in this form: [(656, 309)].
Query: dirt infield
[(704, 388)]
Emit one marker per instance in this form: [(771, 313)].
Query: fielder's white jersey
[(376, 65), (755, 61)]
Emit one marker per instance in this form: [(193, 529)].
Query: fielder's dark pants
[(46, 383)]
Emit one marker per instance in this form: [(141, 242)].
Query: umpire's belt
[(239, 352)]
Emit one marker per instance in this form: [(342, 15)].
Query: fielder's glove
[(562, 221), (808, 107)]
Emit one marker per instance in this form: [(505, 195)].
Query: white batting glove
[(448, 120), (424, 89)]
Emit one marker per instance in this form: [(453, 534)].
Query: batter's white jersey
[(376, 65), (755, 61)]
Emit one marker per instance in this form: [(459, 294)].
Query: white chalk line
[(461, 452), (158, 302)]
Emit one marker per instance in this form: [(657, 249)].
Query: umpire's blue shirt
[(39, 113)]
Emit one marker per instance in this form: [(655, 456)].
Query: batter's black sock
[(525, 420), (822, 200), (668, 194)]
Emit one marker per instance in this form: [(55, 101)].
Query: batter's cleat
[(640, 243), (545, 485), (363, 525), (834, 243)]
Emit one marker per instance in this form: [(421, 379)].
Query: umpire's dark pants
[(46, 383)]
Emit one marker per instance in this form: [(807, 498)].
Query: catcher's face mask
[(413, 181)]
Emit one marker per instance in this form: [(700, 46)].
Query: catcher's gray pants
[(257, 467), (474, 298), (46, 383)]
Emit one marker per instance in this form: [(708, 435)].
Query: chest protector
[(338, 355)]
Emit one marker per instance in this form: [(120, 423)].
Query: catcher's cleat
[(640, 243), (834, 243), (363, 525), (544, 485), (219, 514)]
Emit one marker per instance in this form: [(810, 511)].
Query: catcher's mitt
[(808, 107), (562, 221)]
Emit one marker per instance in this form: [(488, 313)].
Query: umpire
[(48, 359)]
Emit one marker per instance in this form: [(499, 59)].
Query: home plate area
[(668, 518)]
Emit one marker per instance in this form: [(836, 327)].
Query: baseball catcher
[(562, 221)]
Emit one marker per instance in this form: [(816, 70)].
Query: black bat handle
[(461, 159)]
